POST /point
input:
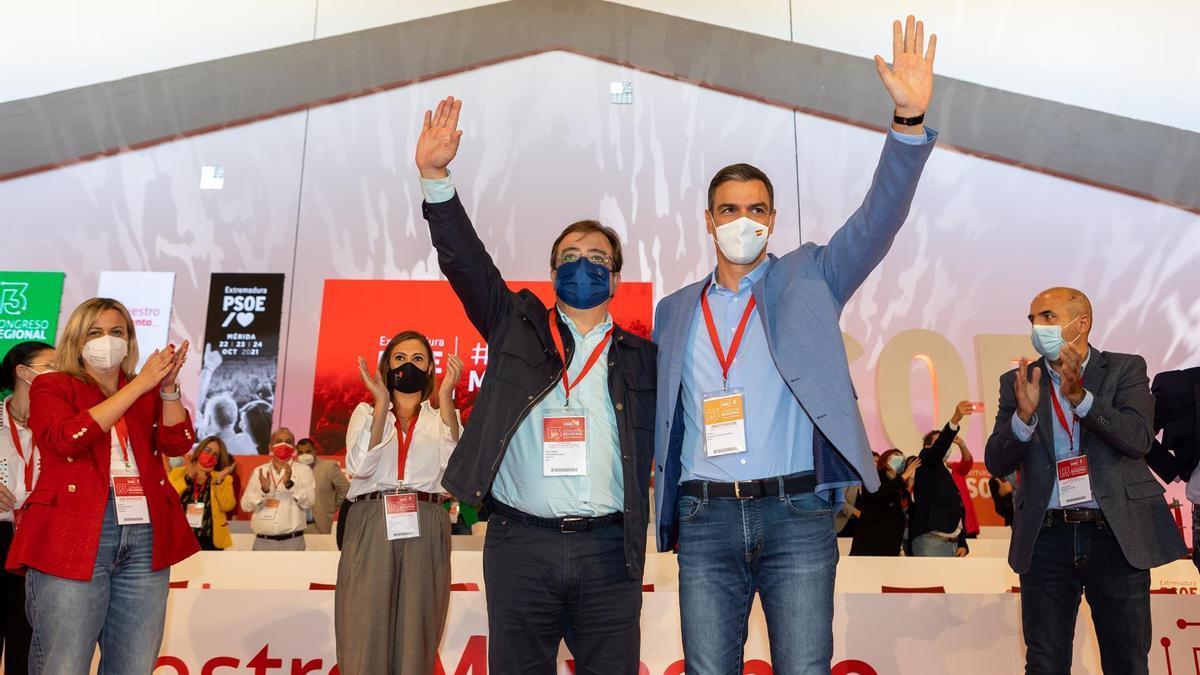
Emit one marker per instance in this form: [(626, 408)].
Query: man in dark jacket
[(561, 453), (1090, 518), (1177, 416)]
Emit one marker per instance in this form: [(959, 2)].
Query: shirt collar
[(747, 281), (4, 412), (602, 327)]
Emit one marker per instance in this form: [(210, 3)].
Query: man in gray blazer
[(758, 430), (1090, 518)]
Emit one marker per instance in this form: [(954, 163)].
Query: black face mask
[(407, 379)]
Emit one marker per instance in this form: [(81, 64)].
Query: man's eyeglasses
[(597, 258)]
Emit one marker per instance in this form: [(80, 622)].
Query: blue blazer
[(800, 301)]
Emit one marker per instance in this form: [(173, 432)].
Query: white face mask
[(1048, 340), (105, 352), (307, 459), (742, 240)]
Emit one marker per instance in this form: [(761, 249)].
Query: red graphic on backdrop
[(359, 317)]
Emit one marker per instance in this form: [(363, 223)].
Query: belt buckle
[(737, 490), (562, 525), (1069, 517)]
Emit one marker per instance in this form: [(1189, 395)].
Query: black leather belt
[(281, 537), (751, 489), (421, 496), (565, 525), (1074, 516)]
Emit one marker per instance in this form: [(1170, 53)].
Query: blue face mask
[(582, 284), (1048, 340), (896, 462)]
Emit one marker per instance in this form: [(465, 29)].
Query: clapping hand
[(373, 381), (454, 366), (1072, 374), (1027, 389)]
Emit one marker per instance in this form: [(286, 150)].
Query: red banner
[(359, 317)]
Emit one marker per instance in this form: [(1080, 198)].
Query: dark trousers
[(1084, 558), (544, 586), (15, 633)]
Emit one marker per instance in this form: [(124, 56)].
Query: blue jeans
[(932, 546), (1084, 558), (123, 608), (784, 548)]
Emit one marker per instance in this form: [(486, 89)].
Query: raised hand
[(212, 358), (1028, 391), (262, 480), (373, 381), (910, 79), (961, 410), (438, 143), (1072, 374), (287, 473), (454, 366)]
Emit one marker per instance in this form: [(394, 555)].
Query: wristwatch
[(908, 121), (289, 484)]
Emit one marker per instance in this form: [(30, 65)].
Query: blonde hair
[(69, 356)]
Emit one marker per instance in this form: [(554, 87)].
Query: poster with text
[(147, 296), (29, 307), (236, 401), (359, 317)]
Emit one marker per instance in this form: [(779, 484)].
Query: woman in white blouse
[(393, 583), (18, 473)]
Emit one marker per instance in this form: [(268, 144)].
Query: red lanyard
[(558, 344), (16, 438), (123, 439), (404, 442), (1062, 418), (725, 362), (198, 490)]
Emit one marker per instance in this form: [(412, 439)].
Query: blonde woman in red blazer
[(103, 525)]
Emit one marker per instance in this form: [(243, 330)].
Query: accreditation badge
[(1074, 483), (564, 443), (400, 515), (724, 422)]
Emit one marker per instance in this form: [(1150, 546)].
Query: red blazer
[(60, 528)]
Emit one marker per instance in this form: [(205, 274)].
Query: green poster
[(29, 305)]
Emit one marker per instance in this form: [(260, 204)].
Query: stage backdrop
[(331, 193), (359, 318)]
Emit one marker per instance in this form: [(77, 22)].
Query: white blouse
[(12, 467), (373, 469)]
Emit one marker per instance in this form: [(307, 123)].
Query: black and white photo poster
[(236, 401)]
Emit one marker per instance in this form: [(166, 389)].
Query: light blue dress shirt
[(778, 432), (1062, 442)]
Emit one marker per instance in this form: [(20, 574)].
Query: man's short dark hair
[(742, 173), (590, 227), (930, 437)]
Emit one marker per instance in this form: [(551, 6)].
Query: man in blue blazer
[(758, 429)]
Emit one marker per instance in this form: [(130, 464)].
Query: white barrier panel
[(283, 632), (290, 570)]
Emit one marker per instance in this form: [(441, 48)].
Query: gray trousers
[(392, 597), (293, 544)]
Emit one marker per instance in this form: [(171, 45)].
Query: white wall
[(1139, 60)]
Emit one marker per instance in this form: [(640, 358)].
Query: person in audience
[(1177, 416), (882, 523), (576, 507), (936, 526), (206, 493), (331, 486), (278, 495), (1002, 497), (19, 470), (101, 528), (396, 536), (959, 470), (1090, 517)]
